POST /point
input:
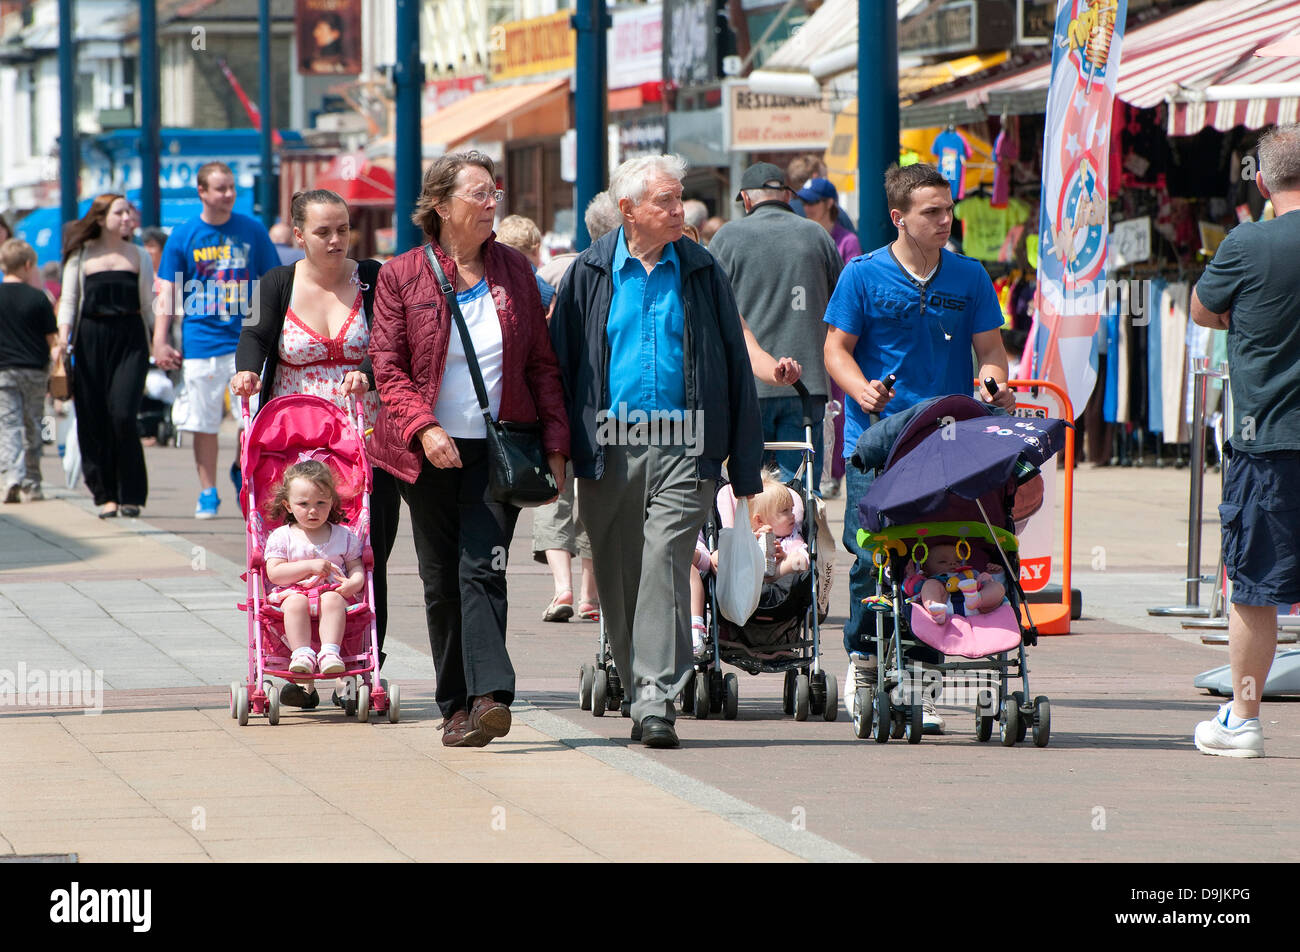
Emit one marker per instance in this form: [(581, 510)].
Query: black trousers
[(112, 358), (462, 539), (385, 514)]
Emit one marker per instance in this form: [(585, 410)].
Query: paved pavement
[(165, 774)]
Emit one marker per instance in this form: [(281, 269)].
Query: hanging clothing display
[(1173, 369), (1006, 149), (1155, 418), (953, 151), (985, 228)]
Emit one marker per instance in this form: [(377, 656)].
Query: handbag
[(60, 385), (518, 473), (741, 562)]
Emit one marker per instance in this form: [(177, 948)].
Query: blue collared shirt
[(646, 320)]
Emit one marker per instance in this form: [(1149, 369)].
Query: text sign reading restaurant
[(529, 47), (764, 123)]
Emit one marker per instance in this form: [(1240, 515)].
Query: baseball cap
[(761, 175), (818, 189)]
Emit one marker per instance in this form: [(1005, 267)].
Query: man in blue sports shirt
[(915, 310), (209, 267)]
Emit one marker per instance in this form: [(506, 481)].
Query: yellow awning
[(915, 80)]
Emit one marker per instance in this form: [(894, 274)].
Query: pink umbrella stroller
[(289, 429)]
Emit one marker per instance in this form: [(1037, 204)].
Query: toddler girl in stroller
[(314, 563), (776, 514)]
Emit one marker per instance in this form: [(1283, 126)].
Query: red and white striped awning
[(1201, 61)]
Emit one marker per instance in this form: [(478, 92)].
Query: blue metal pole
[(69, 147), (590, 21), (267, 181), (408, 76), (150, 116), (877, 116)]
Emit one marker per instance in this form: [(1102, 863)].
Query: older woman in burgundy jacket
[(430, 432)]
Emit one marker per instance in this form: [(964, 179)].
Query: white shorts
[(201, 402)]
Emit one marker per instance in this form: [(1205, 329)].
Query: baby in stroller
[(775, 516), (944, 573), (314, 564)]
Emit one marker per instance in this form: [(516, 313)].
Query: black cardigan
[(259, 341)]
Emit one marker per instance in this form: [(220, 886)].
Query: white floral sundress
[(315, 364)]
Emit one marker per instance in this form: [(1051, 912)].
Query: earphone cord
[(925, 285)]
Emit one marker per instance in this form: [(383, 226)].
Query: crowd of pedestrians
[(670, 315)]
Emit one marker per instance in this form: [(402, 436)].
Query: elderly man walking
[(783, 269), (659, 392), (1251, 289)]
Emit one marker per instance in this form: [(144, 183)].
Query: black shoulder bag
[(518, 474)]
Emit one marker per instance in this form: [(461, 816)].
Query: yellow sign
[(528, 47), (761, 122)]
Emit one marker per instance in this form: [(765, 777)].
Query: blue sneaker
[(208, 505)]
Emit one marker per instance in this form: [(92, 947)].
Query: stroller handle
[(806, 398)]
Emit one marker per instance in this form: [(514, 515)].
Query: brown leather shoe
[(455, 729), (488, 718)]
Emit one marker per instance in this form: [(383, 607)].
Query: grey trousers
[(648, 495), (22, 403)]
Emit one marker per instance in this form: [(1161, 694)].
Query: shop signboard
[(531, 47), (441, 93), (1035, 22), (960, 27), (689, 42), (760, 122), (638, 137), (329, 37), (635, 47), (1130, 242), (1037, 536), (1073, 217)]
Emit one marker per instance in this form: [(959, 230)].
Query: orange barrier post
[(1049, 617)]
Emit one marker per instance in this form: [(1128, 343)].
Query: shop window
[(534, 188)]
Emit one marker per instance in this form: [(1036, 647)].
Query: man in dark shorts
[(1252, 289)]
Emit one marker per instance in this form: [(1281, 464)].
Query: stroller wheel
[(862, 714), (241, 705), (787, 691), (363, 703), (986, 709), (913, 729), (1022, 727), (686, 700), (584, 687), (702, 695), (832, 709), (234, 693), (394, 704), (273, 705), (599, 692), (881, 717), (802, 697), (1009, 724), (1042, 721), (731, 697), (715, 691)]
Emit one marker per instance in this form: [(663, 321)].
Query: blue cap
[(818, 189)]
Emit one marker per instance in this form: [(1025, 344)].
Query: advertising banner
[(1073, 218), (329, 37)]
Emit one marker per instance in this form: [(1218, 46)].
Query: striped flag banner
[(1073, 217)]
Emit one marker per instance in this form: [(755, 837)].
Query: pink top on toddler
[(291, 544), (727, 516)]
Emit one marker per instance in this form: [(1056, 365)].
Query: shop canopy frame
[(1199, 60)]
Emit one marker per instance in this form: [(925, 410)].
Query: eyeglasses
[(481, 198)]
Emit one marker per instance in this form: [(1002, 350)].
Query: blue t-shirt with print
[(213, 268), (921, 333), (952, 151)]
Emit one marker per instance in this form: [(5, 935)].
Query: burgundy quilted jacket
[(408, 348)]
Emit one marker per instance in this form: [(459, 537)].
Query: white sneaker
[(931, 722), (1215, 737)]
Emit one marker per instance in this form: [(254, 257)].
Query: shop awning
[(358, 181), (547, 103), (915, 80), (1199, 60)]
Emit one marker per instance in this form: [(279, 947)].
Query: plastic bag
[(740, 568), (72, 453)]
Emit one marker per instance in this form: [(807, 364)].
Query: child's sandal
[(331, 663)]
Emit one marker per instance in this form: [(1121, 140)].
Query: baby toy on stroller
[(939, 528), (291, 430)]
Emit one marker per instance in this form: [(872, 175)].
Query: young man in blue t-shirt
[(207, 274), (915, 310)]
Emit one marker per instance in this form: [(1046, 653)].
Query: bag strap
[(81, 298), (449, 292)]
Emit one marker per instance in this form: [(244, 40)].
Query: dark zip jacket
[(719, 379)]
